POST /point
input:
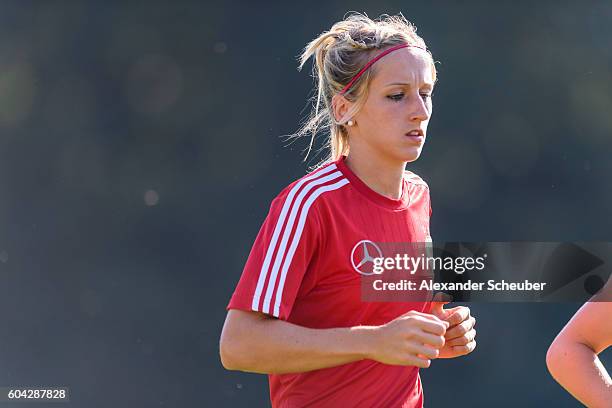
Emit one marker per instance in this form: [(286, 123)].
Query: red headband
[(372, 61)]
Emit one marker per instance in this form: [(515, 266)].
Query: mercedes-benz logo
[(362, 257)]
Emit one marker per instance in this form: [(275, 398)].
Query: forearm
[(578, 369), (265, 345)]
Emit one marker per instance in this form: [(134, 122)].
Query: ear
[(340, 108)]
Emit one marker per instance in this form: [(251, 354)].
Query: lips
[(416, 136), (415, 132)]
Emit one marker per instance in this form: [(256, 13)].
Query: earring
[(350, 122)]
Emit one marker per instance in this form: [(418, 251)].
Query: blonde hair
[(338, 56)]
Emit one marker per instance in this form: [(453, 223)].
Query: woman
[(297, 313), (572, 357)]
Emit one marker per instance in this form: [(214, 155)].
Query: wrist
[(366, 341)]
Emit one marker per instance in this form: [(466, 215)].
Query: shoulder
[(415, 179), (314, 186)]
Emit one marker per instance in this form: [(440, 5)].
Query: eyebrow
[(429, 85)]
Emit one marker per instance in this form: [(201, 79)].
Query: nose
[(419, 110)]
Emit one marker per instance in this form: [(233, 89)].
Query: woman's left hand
[(460, 336)]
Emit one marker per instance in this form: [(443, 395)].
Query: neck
[(383, 176)]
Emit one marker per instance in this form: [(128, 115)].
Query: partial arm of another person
[(256, 342), (572, 357)]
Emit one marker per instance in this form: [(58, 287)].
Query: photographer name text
[(430, 285)]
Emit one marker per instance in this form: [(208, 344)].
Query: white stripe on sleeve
[(296, 239), (277, 229), (280, 254)]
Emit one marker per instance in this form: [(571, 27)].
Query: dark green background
[(100, 102)]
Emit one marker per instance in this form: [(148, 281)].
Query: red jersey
[(303, 269)]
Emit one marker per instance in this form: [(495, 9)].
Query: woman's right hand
[(413, 339)]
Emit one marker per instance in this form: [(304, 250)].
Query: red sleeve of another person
[(280, 257)]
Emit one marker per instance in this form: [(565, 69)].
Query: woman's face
[(393, 120)]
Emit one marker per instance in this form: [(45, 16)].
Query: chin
[(412, 154)]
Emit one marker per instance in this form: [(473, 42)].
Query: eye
[(399, 96)]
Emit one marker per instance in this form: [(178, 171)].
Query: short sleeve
[(282, 253)]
